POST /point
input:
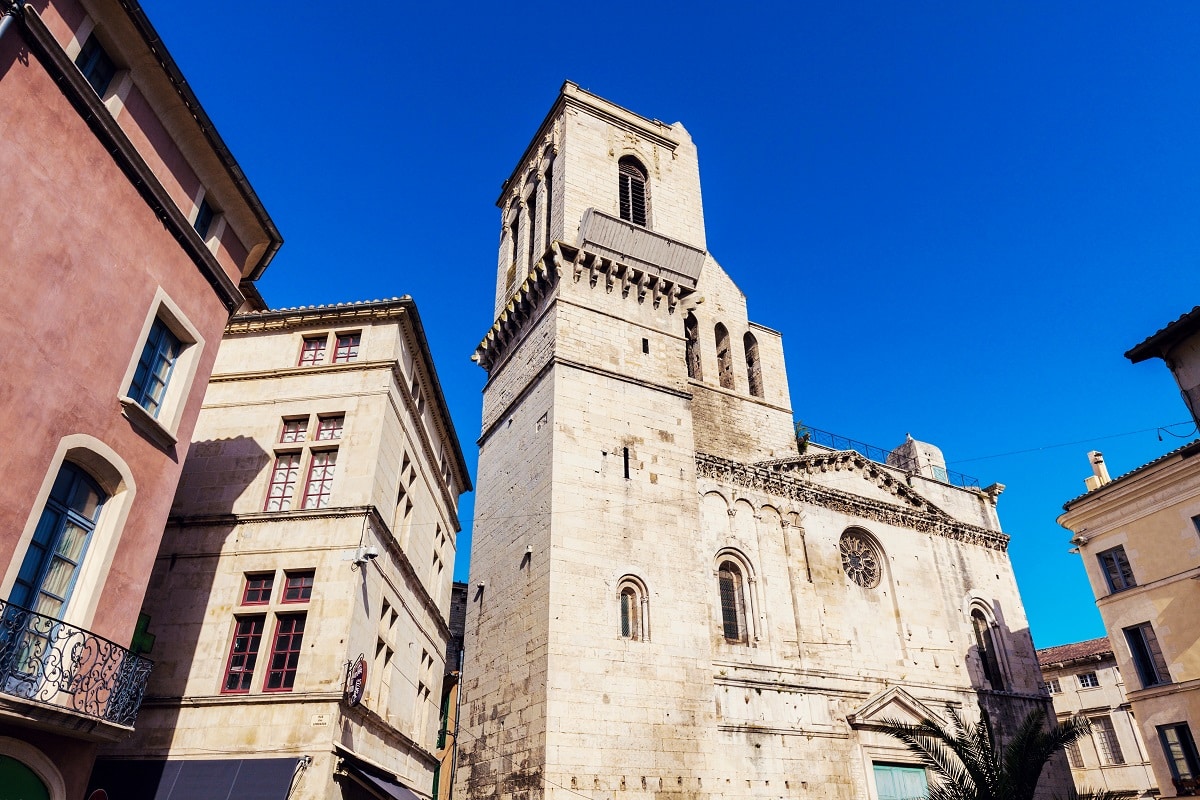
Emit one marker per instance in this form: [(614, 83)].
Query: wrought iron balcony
[(45, 660)]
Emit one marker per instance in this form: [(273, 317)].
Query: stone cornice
[(1161, 485), (308, 316), (924, 517), (526, 302)]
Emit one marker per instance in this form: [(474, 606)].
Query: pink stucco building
[(130, 237)]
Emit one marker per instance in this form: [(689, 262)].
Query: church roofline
[(571, 95)]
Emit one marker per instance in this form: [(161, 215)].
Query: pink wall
[(82, 257)]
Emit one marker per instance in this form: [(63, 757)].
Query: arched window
[(514, 229), (59, 543), (753, 367), (632, 176), (634, 609), (987, 649), (691, 334), (724, 357), (733, 602)]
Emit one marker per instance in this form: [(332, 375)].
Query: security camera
[(365, 554)]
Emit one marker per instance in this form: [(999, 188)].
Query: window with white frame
[(1107, 745), (1088, 680), (160, 372)]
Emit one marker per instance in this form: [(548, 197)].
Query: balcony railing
[(45, 660), (882, 456)]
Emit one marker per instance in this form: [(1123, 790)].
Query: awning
[(374, 780), (212, 779)]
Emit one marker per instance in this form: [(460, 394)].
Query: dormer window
[(633, 190), (96, 65)]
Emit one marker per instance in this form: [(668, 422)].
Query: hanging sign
[(356, 681)]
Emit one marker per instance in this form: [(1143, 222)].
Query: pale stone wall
[(601, 461), (1109, 700), (392, 610)]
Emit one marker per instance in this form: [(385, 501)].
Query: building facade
[(1139, 538), (670, 597), (1083, 679), (301, 596), (131, 236)]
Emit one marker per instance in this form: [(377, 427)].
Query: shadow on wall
[(999, 664), (180, 590)]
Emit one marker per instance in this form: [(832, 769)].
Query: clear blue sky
[(959, 215)]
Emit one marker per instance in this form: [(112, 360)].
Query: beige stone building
[(1083, 678), (301, 596), (669, 597), (1139, 538)]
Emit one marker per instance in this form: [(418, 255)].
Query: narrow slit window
[(753, 367), (632, 190), (724, 357), (691, 335)]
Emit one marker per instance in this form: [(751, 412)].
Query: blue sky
[(959, 215)]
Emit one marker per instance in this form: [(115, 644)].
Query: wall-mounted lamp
[(364, 554)]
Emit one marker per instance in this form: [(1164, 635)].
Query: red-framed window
[(330, 427), (297, 587), (294, 430), (243, 654), (320, 479), (285, 653), (258, 589), (347, 347), (283, 482), (313, 350)]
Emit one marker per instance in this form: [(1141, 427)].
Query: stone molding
[(540, 282), (922, 516)]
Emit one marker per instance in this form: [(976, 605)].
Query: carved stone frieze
[(921, 515)]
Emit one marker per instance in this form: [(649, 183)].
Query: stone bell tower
[(587, 510)]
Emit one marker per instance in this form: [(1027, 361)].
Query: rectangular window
[(1180, 750), (298, 587), (283, 482), (258, 589), (320, 479), (347, 347), (1147, 656), (1053, 686), (1088, 680), (1106, 741), (1116, 568), (330, 428), (1074, 756), (96, 65), (294, 430), (285, 653), (313, 350), (243, 654), (154, 367), (204, 218)]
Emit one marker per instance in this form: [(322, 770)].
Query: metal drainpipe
[(6, 19), (457, 711)]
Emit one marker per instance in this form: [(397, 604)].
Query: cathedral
[(671, 595)]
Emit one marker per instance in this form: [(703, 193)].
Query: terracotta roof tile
[(1066, 653), (1148, 347)]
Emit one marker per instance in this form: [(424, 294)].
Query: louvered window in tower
[(633, 191)]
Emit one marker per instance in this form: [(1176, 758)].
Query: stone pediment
[(892, 705), (852, 472)]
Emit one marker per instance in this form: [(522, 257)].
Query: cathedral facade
[(670, 595)]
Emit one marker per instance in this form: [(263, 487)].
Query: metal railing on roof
[(807, 433), (45, 660)]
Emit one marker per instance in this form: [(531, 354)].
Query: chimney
[(1099, 475)]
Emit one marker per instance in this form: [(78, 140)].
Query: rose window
[(860, 560)]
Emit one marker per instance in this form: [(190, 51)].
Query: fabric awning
[(374, 780), (209, 779)]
